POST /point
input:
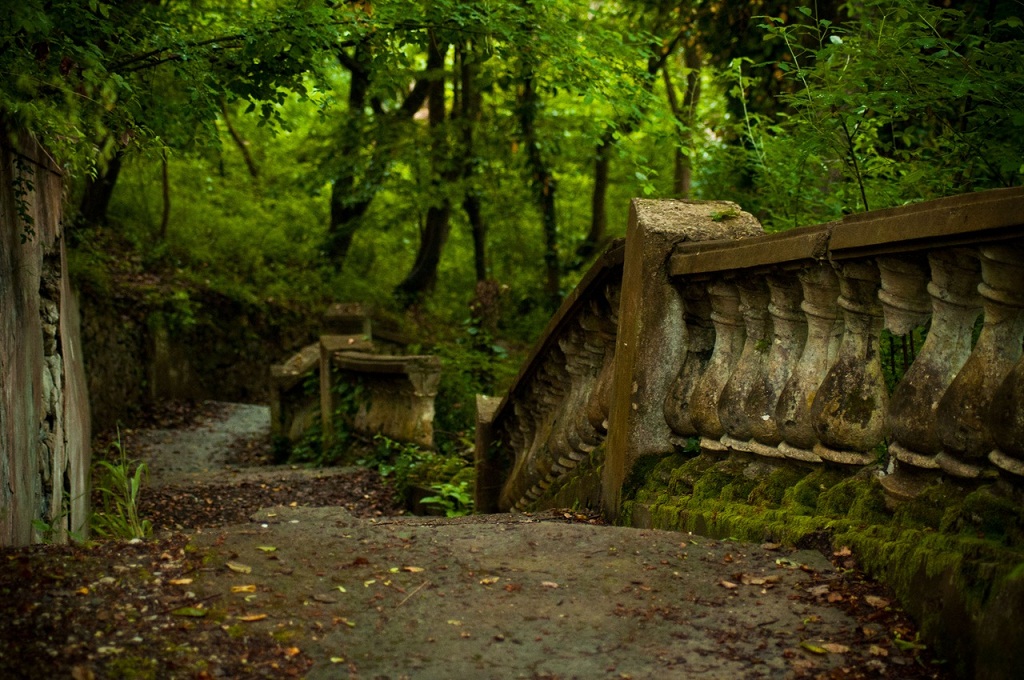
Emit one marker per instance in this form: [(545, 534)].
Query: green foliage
[(406, 465), (350, 395), (119, 484), (455, 499), (902, 101)]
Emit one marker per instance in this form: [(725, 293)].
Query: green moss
[(947, 554), (129, 667), (771, 491), (987, 512)]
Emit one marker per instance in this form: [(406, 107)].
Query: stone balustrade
[(389, 394), (703, 333), (859, 383), (809, 382)]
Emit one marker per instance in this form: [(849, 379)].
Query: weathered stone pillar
[(730, 333), (914, 403), (849, 408), (790, 335), (1006, 420), (700, 341), (490, 466), (964, 408), (824, 332), (751, 368), (599, 405)]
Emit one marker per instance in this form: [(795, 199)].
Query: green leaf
[(191, 612)]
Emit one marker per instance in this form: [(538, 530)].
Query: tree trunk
[(350, 198), (598, 200), (471, 204), (423, 276), (165, 181), (243, 146), (544, 185), (96, 199), (685, 116), (596, 236)]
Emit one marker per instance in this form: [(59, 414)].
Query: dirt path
[(519, 597), (303, 573)]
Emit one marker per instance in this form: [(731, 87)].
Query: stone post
[(650, 345)]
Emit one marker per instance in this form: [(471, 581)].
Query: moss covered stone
[(955, 557)]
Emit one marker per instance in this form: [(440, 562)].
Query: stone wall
[(143, 345), (44, 410)]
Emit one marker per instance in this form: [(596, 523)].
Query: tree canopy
[(441, 152)]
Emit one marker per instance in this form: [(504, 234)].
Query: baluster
[(585, 435), (729, 336), (963, 410), (849, 409), (790, 336), (904, 294), (913, 407), (1006, 422), (824, 332), (751, 367), (567, 447), (700, 340), (600, 400)]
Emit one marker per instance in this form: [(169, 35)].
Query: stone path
[(515, 596), (505, 596), (181, 455)]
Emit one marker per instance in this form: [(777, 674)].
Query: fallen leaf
[(835, 597), (548, 584), (350, 624), (192, 612), (843, 552), (84, 590), (412, 570), (489, 580), (787, 563), (513, 587), (326, 599), (180, 581), (252, 617), (266, 548), (876, 602), (833, 648), (337, 659), (813, 648), (250, 588), (728, 558), (367, 584), (818, 591), (465, 634), (239, 567), (771, 546), (292, 651), (875, 650), (728, 585), (454, 622), (342, 589)]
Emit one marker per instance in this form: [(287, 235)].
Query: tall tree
[(423, 276)]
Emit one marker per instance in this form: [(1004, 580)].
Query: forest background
[(456, 164)]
